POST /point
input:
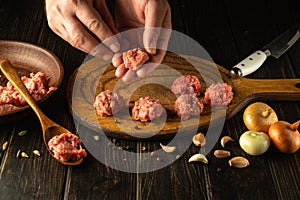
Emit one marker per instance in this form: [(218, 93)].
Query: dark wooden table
[(229, 31)]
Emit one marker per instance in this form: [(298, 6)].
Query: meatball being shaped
[(187, 106), (147, 109), (135, 58), (108, 103), (186, 84)]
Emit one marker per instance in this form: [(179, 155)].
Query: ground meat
[(108, 103), (186, 84), (65, 147), (187, 106), (135, 58), (37, 86), (146, 109), (219, 94)]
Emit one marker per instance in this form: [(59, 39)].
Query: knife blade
[(275, 48)]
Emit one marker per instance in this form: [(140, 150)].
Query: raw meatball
[(186, 84), (108, 103), (146, 109), (135, 58), (219, 94), (65, 147), (188, 105)]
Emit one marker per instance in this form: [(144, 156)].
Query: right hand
[(84, 24)]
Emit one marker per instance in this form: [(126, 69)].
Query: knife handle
[(249, 64)]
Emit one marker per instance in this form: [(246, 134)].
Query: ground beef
[(108, 103), (65, 147), (186, 84), (219, 94), (146, 109), (187, 106), (37, 86), (135, 58)]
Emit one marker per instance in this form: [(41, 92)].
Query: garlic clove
[(238, 162), (167, 149), (198, 158), (225, 139), (221, 153), (199, 139)]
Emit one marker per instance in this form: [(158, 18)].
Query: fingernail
[(114, 47), (151, 50)]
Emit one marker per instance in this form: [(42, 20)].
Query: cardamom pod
[(199, 139), (238, 162), (4, 146), (22, 133), (222, 153), (224, 140), (198, 158), (167, 149)]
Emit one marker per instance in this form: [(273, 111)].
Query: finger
[(78, 36), (152, 64), (102, 7), (93, 21), (117, 58), (128, 76), (154, 16), (120, 71)]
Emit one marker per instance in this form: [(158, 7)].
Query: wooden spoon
[(49, 127)]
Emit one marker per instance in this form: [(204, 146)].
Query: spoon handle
[(11, 74)]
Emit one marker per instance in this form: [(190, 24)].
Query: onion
[(285, 136), (254, 143), (259, 117)]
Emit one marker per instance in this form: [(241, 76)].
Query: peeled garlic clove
[(222, 153), (199, 139), (198, 158), (224, 140), (238, 162), (167, 149)]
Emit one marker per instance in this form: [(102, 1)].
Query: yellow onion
[(285, 136), (259, 117)]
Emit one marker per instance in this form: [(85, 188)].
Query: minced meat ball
[(187, 106), (135, 58), (219, 94), (186, 84), (108, 103), (146, 109), (65, 147)]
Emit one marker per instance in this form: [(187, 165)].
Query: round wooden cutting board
[(95, 76)]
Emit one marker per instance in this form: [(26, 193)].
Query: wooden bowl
[(29, 58)]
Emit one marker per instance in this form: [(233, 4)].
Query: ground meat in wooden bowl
[(36, 84)]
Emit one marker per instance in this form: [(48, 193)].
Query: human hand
[(152, 15), (84, 24)]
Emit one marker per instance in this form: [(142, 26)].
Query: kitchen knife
[(275, 49)]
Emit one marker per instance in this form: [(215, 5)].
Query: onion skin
[(285, 136), (259, 117)]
